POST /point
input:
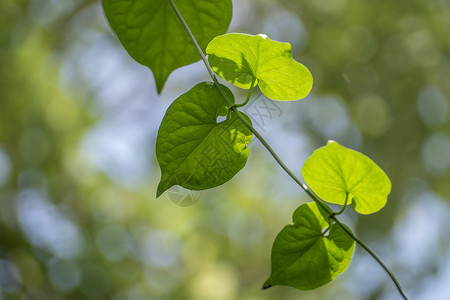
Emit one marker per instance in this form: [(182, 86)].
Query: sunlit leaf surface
[(334, 171), (238, 58)]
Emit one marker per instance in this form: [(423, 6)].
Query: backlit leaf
[(238, 58), (151, 33), (193, 149), (303, 256), (333, 171)]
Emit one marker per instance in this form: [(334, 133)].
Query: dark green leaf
[(151, 33), (303, 256), (193, 150)]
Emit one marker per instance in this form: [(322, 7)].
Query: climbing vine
[(167, 34)]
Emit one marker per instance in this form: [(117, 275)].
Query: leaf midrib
[(184, 160), (215, 127)]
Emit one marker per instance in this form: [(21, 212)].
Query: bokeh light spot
[(62, 114), (328, 115), (34, 146), (5, 167), (432, 106), (107, 205), (284, 26), (160, 249), (372, 115), (9, 276), (113, 242), (435, 153), (358, 44), (219, 282), (47, 227), (65, 275)]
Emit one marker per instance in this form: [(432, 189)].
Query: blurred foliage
[(73, 227)]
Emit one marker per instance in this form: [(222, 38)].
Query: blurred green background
[(78, 176)]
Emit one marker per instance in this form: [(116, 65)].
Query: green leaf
[(334, 171), (193, 150), (306, 258), (151, 33), (238, 58)]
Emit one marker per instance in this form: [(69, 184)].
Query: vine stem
[(250, 91), (380, 262), (277, 158)]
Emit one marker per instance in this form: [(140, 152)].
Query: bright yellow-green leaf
[(333, 171), (238, 58), (193, 149), (151, 33), (306, 258)]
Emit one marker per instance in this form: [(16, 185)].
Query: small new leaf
[(193, 150), (151, 33), (238, 58), (303, 256), (333, 171)]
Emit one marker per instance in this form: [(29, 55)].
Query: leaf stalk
[(250, 92)]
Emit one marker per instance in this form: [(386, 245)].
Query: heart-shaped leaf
[(193, 150), (238, 58), (151, 33), (334, 171), (306, 258)]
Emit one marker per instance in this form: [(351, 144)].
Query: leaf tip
[(266, 286), (159, 86), (160, 190)]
